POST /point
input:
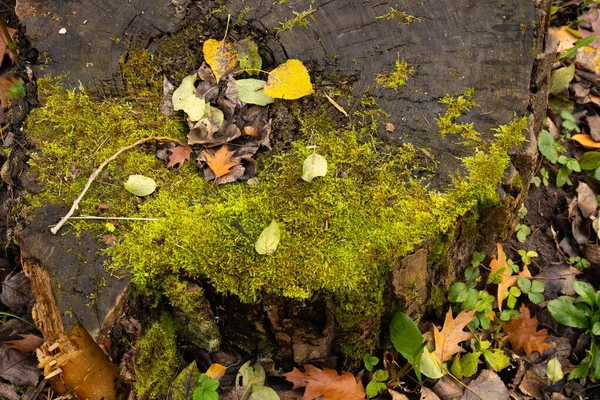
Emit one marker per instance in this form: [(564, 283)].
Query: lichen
[(397, 78), (340, 233), (157, 361)]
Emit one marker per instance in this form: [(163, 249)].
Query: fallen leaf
[(250, 91), (166, 103), (4, 47), (534, 385), (315, 165), (508, 280), (589, 58), (251, 131), (428, 394), (561, 78), (26, 343), (523, 334), (140, 185), (216, 371), (586, 141), (565, 36), (289, 81), (448, 388), (447, 340), (109, 240), (557, 280), (326, 383), (8, 392), (5, 85), (397, 396), (184, 98), (19, 368), (586, 200), (488, 386), (390, 127), (16, 293), (269, 239), (184, 384), (179, 155), (220, 56), (554, 370), (249, 58), (220, 162), (248, 378)]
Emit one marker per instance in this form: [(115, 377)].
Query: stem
[(101, 167), (114, 218), (9, 42)]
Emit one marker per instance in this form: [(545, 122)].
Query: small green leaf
[(269, 239), (522, 232), (248, 56), (381, 375), (561, 78), (430, 366), (408, 340), (563, 176), (140, 185), (16, 90), (573, 165), (207, 388), (469, 363), (456, 367), (314, 165), (536, 298), (184, 98), (370, 362), (564, 311), (585, 290), (554, 370), (524, 284), (458, 292), (597, 173), (374, 388), (590, 160), (251, 91), (546, 146), (596, 329), (471, 299), (497, 359)]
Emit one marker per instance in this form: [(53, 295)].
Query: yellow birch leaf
[(220, 56), (289, 81), (216, 371)]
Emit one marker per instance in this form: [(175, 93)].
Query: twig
[(8, 40), (112, 218), (101, 167)]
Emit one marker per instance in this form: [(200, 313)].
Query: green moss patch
[(340, 234)]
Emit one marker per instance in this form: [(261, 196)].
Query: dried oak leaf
[(523, 334), (447, 340), (508, 280), (220, 163), (326, 383), (179, 155), (220, 56), (25, 343), (4, 48)]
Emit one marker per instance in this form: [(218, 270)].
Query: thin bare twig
[(101, 167), (114, 218)]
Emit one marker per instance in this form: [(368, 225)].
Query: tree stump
[(497, 48)]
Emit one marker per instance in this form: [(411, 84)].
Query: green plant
[(207, 388), (370, 362), (377, 384), (568, 165), (569, 123), (579, 262), (16, 90), (537, 181), (532, 288), (522, 232), (582, 312), (578, 44), (526, 256)]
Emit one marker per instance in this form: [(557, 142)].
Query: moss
[(400, 16), (340, 233), (456, 106), (397, 77), (438, 297), (157, 362), (299, 19)]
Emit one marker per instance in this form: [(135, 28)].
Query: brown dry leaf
[(446, 341), (390, 127), (220, 163), (179, 155), (5, 84), (496, 264), (523, 334), (26, 343), (220, 56), (216, 371), (326, 383), (4, 48), (586, 141)]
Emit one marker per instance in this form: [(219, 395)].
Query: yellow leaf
[(565, 36), (216, 371), (289, 81), (586, 141), (220, 56)]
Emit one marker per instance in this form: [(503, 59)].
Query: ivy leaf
[(314, 165), (220, 56), (289, 81), (546, 146), (561, 78), (269, 239), (554, 370), (249, 58), (140, 185), (327, 383), (408, 340), (184, 98), (251, 91)]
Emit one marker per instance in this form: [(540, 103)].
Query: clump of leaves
[(326, 382)]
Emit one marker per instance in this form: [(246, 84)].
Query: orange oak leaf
[(179, 155), (523, 334), (25, 343), (326, 383), (220, 163), (507, 280), (447, 340)]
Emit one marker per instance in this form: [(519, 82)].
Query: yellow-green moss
[(157, 361), (458, 105), (340, 233), (299, 19), (402, 16), (397, 77)]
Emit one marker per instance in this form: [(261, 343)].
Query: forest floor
[(524, 340)]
